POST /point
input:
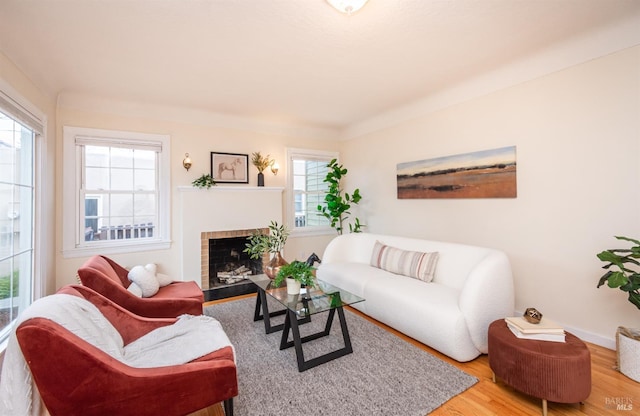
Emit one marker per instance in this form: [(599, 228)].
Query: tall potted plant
[(337, 202), (623, 265), (273, 243)]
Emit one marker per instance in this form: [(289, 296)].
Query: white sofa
[(472, 287)]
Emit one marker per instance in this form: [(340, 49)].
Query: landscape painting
[(483, 174)]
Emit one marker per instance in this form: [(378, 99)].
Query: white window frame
[(290, 212), (72, 246), (30, 116)]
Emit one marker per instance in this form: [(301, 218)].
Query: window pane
[(9, 291), (122, 205), (144, 205), (121, 158), (16, 219), (22, 206), (122, 179), (97, 156), (145, 159), (309, 186), (144, 180), (97, 178)]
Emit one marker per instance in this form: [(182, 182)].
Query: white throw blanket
[(189, 338)]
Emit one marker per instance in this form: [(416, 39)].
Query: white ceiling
[(298, 62)]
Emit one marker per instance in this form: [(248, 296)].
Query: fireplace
[(225, 265), (220, 212)]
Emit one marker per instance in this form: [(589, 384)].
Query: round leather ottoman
[(552, 371)]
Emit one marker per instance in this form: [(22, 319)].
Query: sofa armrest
[(487, 295), (76, 378)]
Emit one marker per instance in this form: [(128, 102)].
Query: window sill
[(310, 232), (119, 247)]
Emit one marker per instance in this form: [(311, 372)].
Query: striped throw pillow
[(414, 264)]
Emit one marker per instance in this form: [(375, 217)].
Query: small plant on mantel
[(204, 181)]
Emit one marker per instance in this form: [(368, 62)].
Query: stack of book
[(546, 330)]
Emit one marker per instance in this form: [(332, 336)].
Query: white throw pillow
[(135, 289), (414, 264), (163, 279), (145, 277)]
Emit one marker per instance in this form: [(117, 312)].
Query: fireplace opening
[(229, 265)]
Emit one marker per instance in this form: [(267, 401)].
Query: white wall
[(19, 87), (577, 133), (193, 132)]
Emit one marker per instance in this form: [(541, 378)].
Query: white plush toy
[(163, 279), (145, 278), (145, 281)]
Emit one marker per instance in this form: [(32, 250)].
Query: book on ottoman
[(546, 330)]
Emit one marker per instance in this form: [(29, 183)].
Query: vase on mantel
[(273, 267), (260, 179)]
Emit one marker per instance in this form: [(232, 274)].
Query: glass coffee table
[(298, 310)]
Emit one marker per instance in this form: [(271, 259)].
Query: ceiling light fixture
[(347, 6)]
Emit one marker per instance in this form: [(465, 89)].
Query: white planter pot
[(293, 286), (628, 346)]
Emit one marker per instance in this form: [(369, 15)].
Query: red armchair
[(75, 378), (108, 278)]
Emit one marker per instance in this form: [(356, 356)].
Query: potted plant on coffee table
[(625, 276), (296, 274), (272, 242)]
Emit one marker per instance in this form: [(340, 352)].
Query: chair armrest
[(76, 378)]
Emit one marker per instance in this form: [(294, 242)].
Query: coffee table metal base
[(262, 313), (291, 324)]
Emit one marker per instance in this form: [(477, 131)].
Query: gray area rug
[(384, 375)]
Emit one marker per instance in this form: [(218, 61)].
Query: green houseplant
[(297, 273), (272, 242), (337, 202), (625, 275), (204, 181)]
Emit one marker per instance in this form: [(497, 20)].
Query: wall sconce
[(186, 162), (275, 167)]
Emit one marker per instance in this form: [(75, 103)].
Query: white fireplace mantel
[(221, 208)]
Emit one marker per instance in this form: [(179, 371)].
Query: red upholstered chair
[(108, 278), (76, 378)]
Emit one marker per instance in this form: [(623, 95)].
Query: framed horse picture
[(230, 167)]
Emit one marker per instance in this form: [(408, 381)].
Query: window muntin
[(17, 219)]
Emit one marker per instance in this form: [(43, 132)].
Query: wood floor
[(610, 389)]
